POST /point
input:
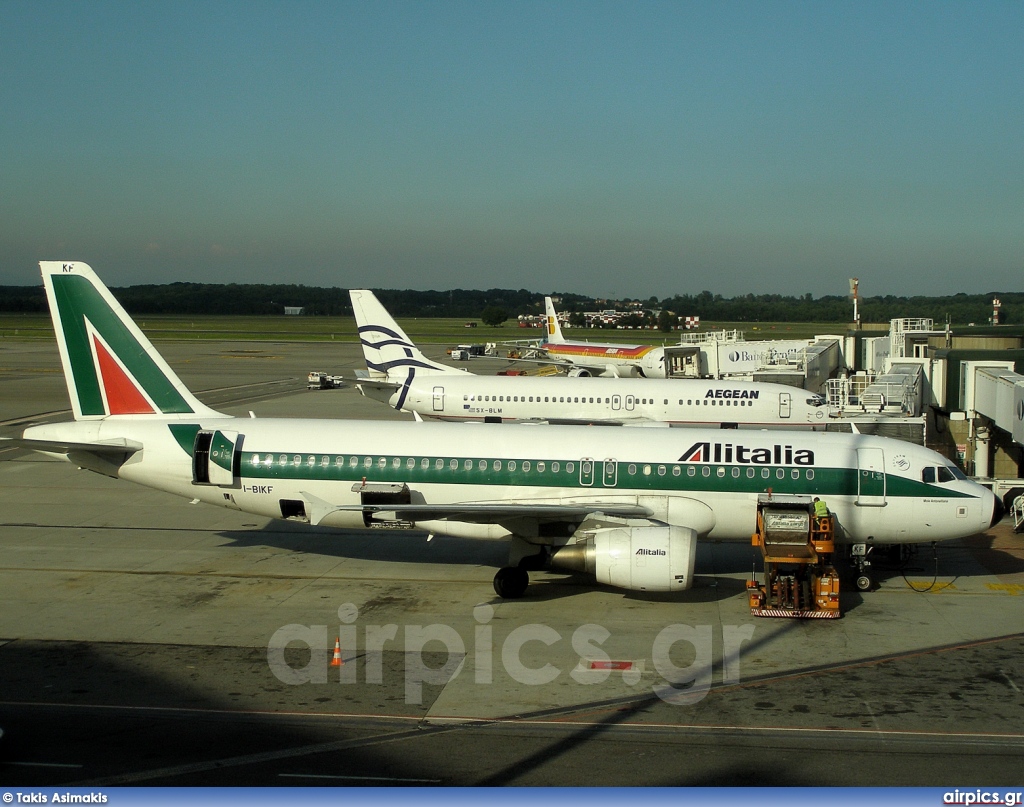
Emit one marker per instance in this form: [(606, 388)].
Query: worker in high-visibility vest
[(820, 508)]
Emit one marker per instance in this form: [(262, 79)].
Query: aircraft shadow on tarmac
[(721, 569), (412, 547)]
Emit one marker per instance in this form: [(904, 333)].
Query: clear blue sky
[(621, 149)]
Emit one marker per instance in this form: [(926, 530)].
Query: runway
[(146, 640)]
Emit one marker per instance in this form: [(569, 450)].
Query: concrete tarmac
[(146, 640)]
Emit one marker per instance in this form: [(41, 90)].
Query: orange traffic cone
[(337, 660)]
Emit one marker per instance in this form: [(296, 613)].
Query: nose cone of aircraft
[(998, 511)]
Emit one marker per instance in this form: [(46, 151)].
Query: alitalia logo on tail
[(734, 453), (110, 366), (121, 393)]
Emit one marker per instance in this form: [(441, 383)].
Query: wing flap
[(479, 512)]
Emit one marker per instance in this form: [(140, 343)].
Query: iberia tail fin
[(111, 368), (551, 326), (389, 353)]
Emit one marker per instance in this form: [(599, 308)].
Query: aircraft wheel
[(863, 582), (510, 582)]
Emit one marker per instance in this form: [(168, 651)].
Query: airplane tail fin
[(111, 368), (389, 353), (554, 330)]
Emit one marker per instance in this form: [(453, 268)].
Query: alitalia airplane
[(404, 378), (626, 505)]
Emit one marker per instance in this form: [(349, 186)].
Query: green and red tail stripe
[(110, 366)]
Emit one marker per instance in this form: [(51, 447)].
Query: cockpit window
[(816, 400), (942, 474)]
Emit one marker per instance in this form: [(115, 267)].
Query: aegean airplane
[(404, 378), (625, 505)]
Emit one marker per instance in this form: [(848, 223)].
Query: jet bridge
[(993, 395), (994, 391)]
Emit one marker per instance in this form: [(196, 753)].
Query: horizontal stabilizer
[(111, 447)]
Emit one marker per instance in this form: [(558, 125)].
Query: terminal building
[(962, 395)]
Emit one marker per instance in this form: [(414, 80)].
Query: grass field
[(324, 329)]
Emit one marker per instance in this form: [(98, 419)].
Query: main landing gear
[(510, 582)]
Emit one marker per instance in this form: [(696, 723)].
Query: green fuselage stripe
[(622, 476)]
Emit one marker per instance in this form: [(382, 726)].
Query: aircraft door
[(438, 399), (215, 458), (586, 472), (611, 473), (870, 477), (616, 402), (785, 404), (630, 403)]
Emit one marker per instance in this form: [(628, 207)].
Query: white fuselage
[(617, 400), (705, 479)]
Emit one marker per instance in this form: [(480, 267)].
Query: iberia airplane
[(588, 358), (401, 376), (626, 505)]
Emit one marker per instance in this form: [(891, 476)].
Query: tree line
[(265, 300)]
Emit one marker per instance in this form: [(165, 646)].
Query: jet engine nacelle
[(579, 372), (652, 364), (649, 558)]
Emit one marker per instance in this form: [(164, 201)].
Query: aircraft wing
[(481, 512)]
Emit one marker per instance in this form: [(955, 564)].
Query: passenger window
[(410, 463), (255, 459), (353, 462), (439, 465), (647, 470), (482, 465), (453, 464), (705, 471), (497, 465), (339, 461), (632, 470), (468, 465), (554, 467), (526, 465), (367, 462), (765, 473), (512, 465), (325, 461), (424, 463)]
